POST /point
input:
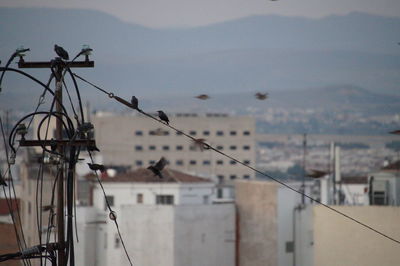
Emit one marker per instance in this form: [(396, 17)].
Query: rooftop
[(143, 175)]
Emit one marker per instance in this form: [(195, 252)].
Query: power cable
[(207, 146), (112, 214)]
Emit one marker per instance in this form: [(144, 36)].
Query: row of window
[(221, 178), (192, 148), (194, 162), (160, 132)]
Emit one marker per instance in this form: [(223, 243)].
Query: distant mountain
[(255, 53)]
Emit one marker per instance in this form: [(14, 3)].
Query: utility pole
[(59, 66)]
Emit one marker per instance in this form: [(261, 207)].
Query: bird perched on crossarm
[(158, 167), (61, 52), (163, 117), (95, 167)]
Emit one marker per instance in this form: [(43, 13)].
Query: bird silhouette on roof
[(158, 167), (202, 97), (163, 116), (261, 96), (61, 52)]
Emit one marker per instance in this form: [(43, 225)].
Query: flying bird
[(203, 97), (316, 173), (95, 167), (261, 96), (200, 144), (163, 117), (61, 52), (157, 168), (135, 103)]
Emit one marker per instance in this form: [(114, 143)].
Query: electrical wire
[(111, 212), (207, 146)]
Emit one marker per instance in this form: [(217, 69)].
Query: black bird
[(203, 97), (157, 168), (53, 145), (2, 181), (95, 167), (163, 117), (135, 102), (261, 96), (61, 52)]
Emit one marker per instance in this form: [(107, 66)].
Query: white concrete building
[(167, 222)]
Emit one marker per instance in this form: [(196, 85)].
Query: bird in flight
[(61, 52), (95, 167), (200, 143), (203, 97), (158, 167), (316, 173), (261, 96), (163, 117)]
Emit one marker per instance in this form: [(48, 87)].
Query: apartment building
[(138, 141)]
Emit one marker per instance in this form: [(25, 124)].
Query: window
[(192, 162), (110, 200), (179, 147), (152, 162), (220, 162), (246, 133), (192, 147), (138, 148), (220, 179), (246, 177), (232, 133), (206, 133), (179, 133), (220, 147), (232, 162), (220, 133), (192, 132), (152, 147), (289, 247), (232, 177), (232, 147), (139, 163), (246, 147), (139, 133), (205, 199), (220, 193), (179, 162), (246, 162), (165, 199), (139, 198), (206, 162), (165, 148)]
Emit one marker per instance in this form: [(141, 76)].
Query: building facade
[(138, 141)]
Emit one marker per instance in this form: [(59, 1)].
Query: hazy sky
[(187, 13)]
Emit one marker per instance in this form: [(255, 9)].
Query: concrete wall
[(339, 241), (258, 224), (178, 235), (125, 193)]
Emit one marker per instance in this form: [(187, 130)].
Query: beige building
[(136, 140), (326, 238)]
